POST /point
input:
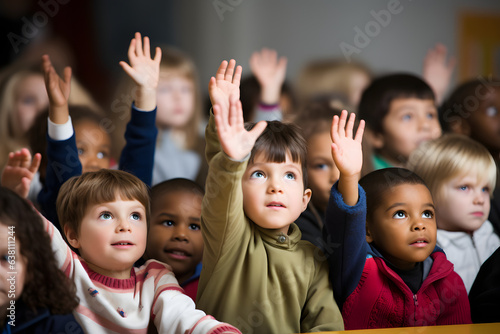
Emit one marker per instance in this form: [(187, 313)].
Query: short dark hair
[(377, 182), (278, 140), (377, 97), (45, 286), (177, 184), (316, 117)]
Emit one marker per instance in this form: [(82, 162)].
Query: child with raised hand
[(64, 158), (35, 296), (461, 174), (385, 268), (270, 100), (257, 272), (400, 113), (105, 217), (315, 120), (175, 233)]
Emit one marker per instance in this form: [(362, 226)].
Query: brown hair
[(80, 192), (45, 286), (278, 140)]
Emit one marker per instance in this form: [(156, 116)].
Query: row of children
[(257, 274)]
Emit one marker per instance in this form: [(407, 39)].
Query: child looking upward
[(257, 272), (175, 234), (400, 114), (461, 175), (105, 217), (385, 268)]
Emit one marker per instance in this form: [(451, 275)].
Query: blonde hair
[(10, 138), (449, 156), (176, 63)]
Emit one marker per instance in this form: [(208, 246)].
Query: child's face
[(321, 170), (94, 146), (485, 122), (175, 235), (112, 237), (273, 193), (463, 204), (31, 99), (175, 102), (404, 225), (12, 268), (409, 122)]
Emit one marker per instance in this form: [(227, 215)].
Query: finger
[(237, 75), (221, 70), (35, 163), (233, 113), (220, 121), (25, 158), (240, 121), (127, 68), (146, 48), (360, 131), (138, 44), (228, 76), (131, 49), (334, 135), (342, 122), (282, 63), (157, 58), (67, 74), (350, 125), (258, 129)]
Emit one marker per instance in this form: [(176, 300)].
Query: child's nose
[(123, 225), (418, 225), (180, 234), (275, 186)]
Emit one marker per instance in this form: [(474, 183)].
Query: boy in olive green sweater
[(257, 273)]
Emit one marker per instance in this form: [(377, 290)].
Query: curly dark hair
[(45, 286)]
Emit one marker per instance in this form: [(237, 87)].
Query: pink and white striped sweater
[(109, 305)]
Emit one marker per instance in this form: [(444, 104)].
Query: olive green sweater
[(254, 278)]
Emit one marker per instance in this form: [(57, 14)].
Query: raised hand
[(346, 150), (144, 70), (235, 140), (437, 71), (226, 83), (58, 90), (20, 170), (270, 72)]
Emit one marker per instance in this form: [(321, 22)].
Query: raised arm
[(58, 90), (437, 70), (144, 70), (141, 131), (347, 154), (19, 171), (270, 72)]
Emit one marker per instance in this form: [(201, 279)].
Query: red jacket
[(382, 299)]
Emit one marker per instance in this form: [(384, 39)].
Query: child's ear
[(369, 237), (306, 198), (375, 139), (72, 237)]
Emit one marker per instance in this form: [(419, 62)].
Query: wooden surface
[(493, 328)]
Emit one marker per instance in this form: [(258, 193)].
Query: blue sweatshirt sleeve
[(137, 156), (345, 243), (62, 164)]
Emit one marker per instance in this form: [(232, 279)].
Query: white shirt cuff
[(60, 131)]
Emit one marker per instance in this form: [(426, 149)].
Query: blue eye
[(105, 216), (486, 189), (399, 215), (257, 175), (427, 214), (168, 223), (4, 257), (290, 176), (407, 117), (135, 216), (321, 166), (431, 115), (101, 155), (491, 111), (194, 227), (28, 100), (464, 188), (80, 151)]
